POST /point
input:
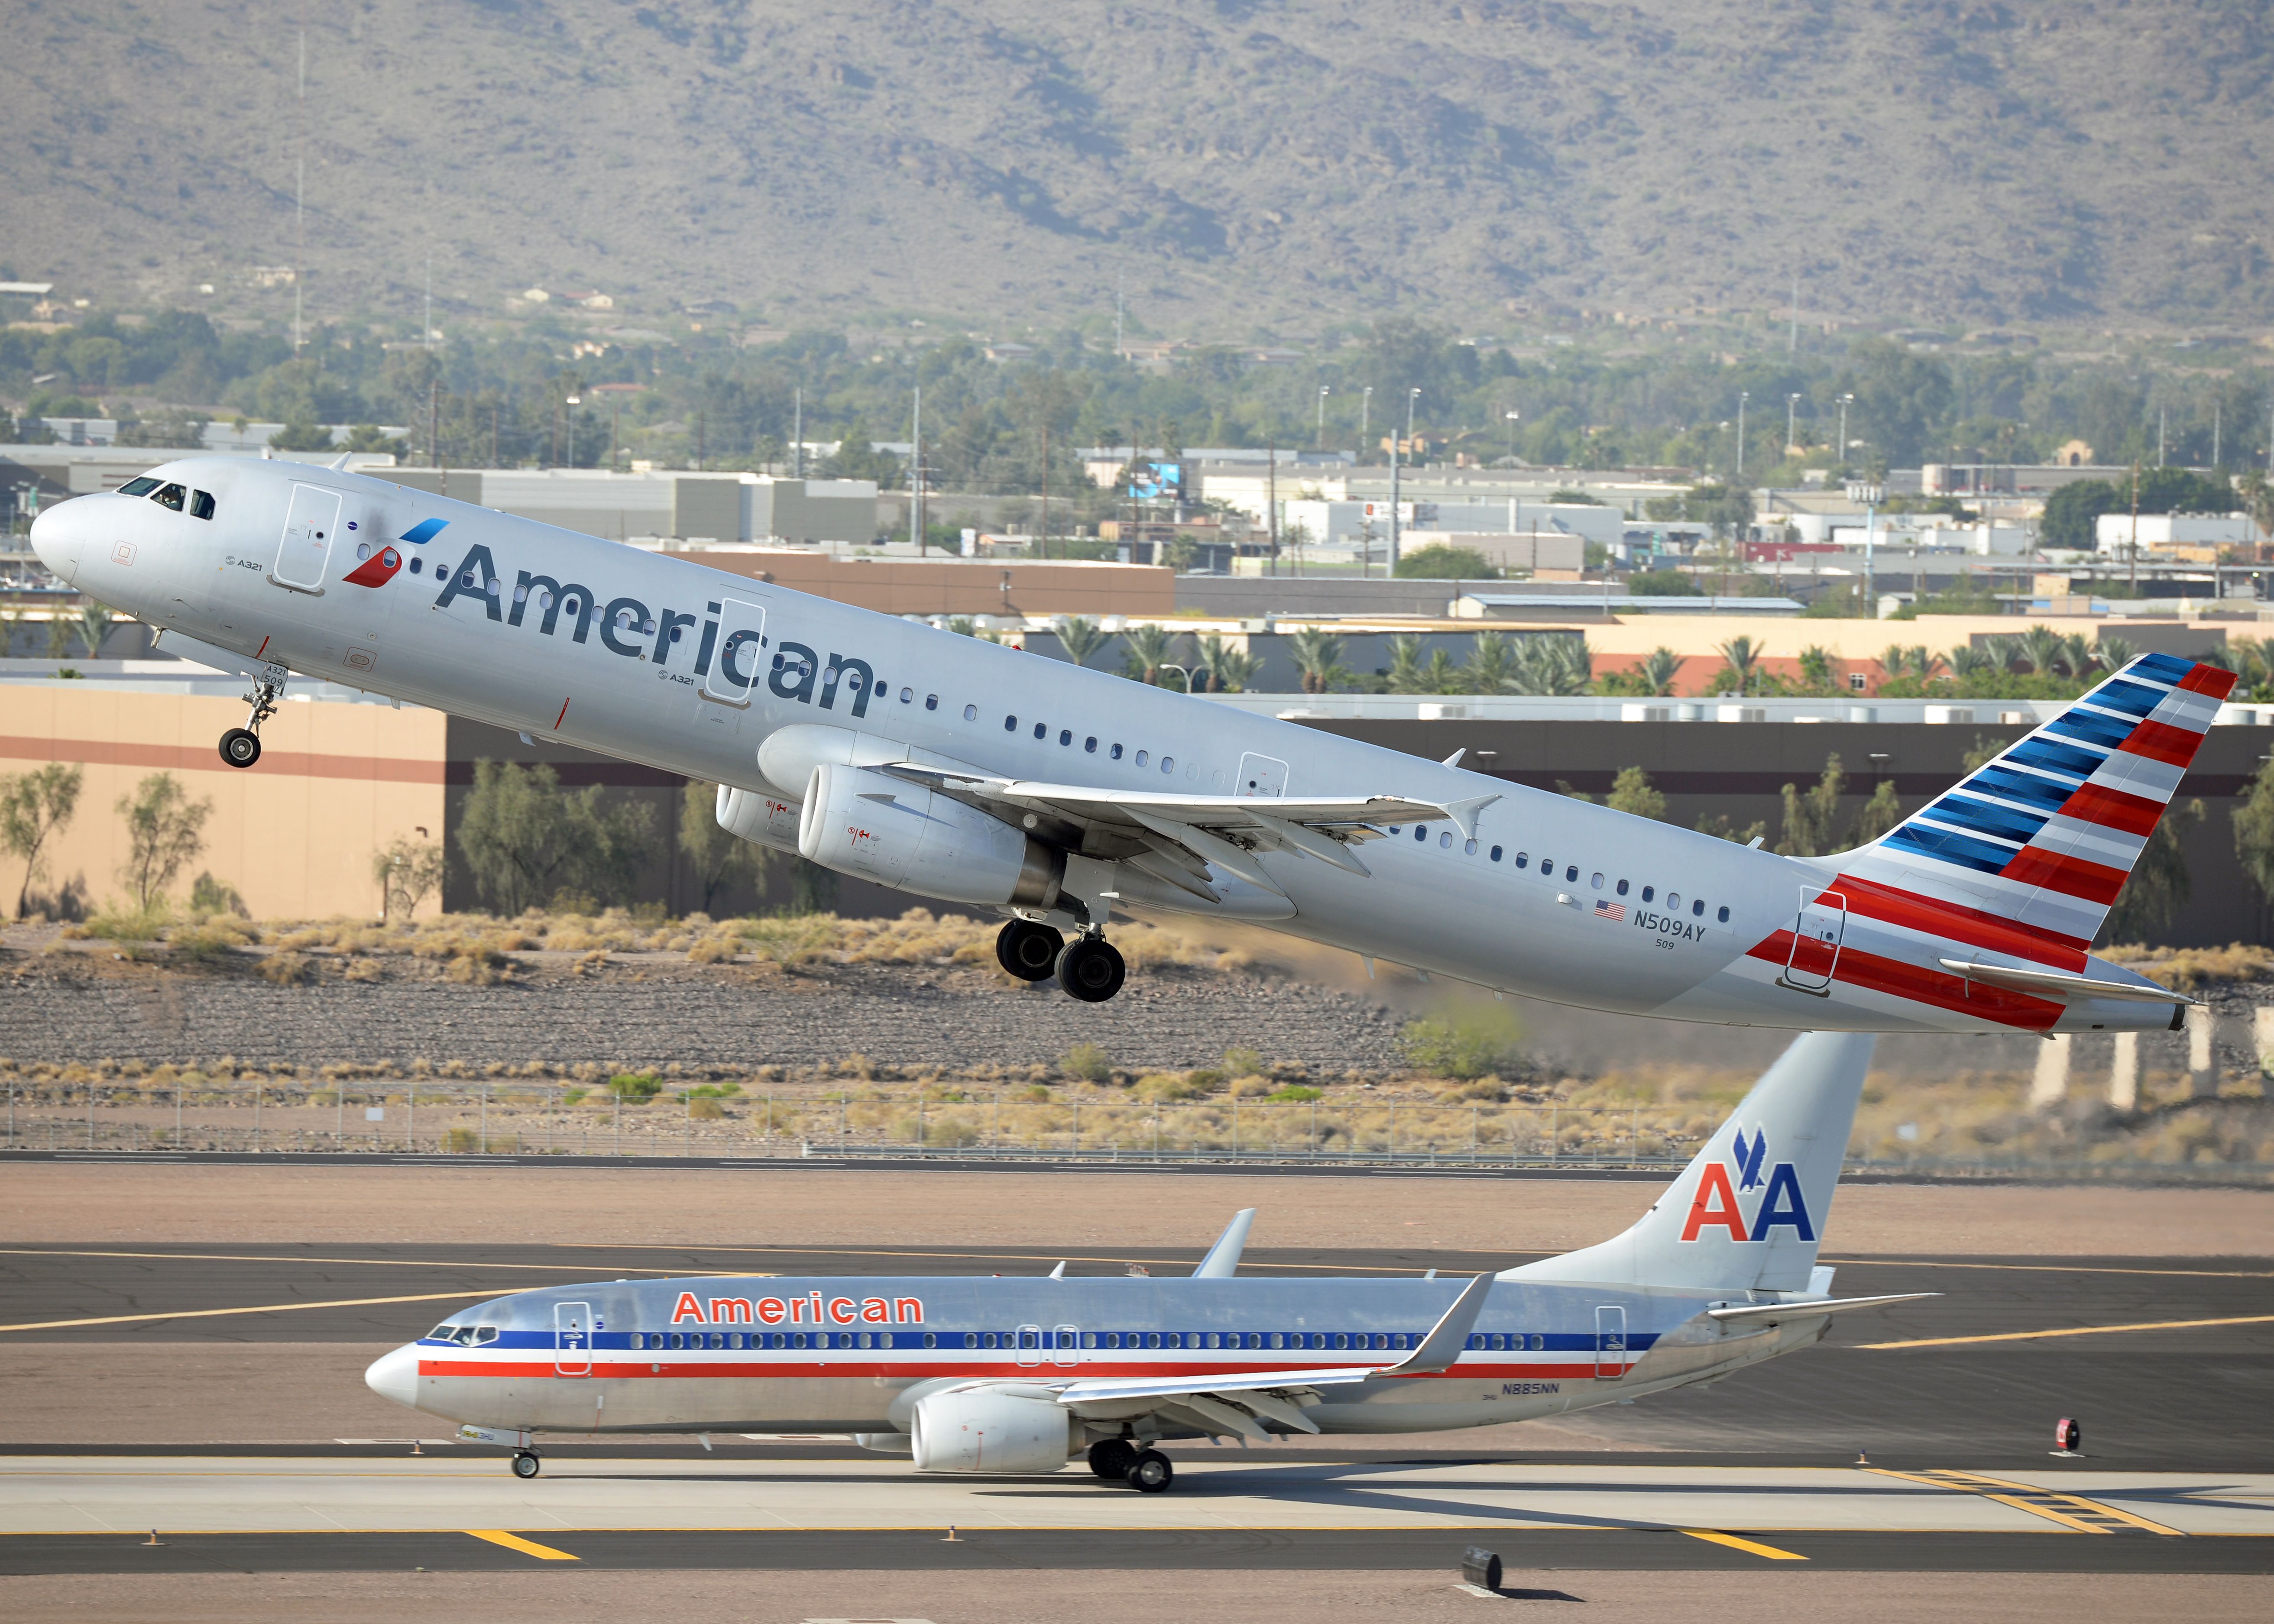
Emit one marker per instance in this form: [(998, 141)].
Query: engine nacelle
[(988, 1430), (762, 820), (896, 833)]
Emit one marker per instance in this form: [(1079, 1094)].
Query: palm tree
[(1144, 651), (2077, 654), (1893, 659), (94, 623), (2008, 652), (1816, 667), (2115, 652), (1966, 661), (1080, 638), (2249, 656), (2044, 647), (1407, 672), (1550, 663), (1318, 655), (1441, 676), (1491, 664), (1743, 654), (1232, 669), (1660, 667), (1923, 661)]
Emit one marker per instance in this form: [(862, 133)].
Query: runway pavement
[(2165, 1361)]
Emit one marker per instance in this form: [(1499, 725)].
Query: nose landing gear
[(240, 747)]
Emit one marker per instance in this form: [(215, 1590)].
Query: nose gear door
[(310, 524), (1816, 937), (572, 1339)]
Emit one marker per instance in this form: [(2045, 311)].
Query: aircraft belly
[(653, 1403)]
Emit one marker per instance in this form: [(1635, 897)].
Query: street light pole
[(1365, 417), (1319, 436), (1844, 401), (1512, 417), (1743, 396), (1396, 449), (575, 401), (1791, 408)]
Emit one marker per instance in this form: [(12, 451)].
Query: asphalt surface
[(2187, 1397), (1531, 1557)]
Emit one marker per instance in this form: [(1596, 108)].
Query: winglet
[(339, 464), (1059, 1273), (1223, 1259), (1448, 1336), (1463, 813)]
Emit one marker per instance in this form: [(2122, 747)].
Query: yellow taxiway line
[(2072, 1511), (1714, 1536), (2074, 1330), (527, 1548), (263, 1308)]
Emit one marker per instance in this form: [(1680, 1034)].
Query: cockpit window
[(485, 1334), (441, 1333), (170, 496), (139, 487), (201, 505)]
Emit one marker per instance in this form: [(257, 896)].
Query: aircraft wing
[(1223, 830)]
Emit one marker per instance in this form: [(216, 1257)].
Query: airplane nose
[(396, 1375), (57, 535)]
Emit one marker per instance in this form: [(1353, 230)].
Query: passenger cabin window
[(201, 505), (137, 488), (169, 496)]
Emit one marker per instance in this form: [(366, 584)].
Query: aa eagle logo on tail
[(1715, 1204)]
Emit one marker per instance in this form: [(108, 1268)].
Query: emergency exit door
[(1610, 1342), (572, 1339), (1816, 937)]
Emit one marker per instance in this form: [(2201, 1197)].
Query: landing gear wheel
[(1027, 950), (1150, 1473), (1112, 1458), (1091, 970), (525, 1464), (240, 747)]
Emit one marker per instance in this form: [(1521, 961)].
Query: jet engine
[(896, 833), (989, 1430), (762, 820)]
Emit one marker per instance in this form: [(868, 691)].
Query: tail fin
[(1748, 1212), (2043, 837)]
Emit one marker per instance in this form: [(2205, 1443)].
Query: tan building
[(294, 835)]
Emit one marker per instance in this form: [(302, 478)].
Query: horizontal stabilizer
[(2060, 984), (1774, 1313)]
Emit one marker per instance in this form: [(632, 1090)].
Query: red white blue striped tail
[(2036, 844)]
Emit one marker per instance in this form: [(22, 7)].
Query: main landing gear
[(525, 1464), (1146, 1470), (240, 747), (1089, 967)]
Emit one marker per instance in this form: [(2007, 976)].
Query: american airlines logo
[(1718, 1204), (807, 1309)]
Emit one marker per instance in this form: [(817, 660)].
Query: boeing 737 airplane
[(956, 769), (1019, 1375)]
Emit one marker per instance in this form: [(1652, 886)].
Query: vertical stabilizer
[(1748, 1212)]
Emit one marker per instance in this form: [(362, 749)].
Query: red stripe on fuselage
[(2114, 808), (1952, 922), (880, 1369), (1918, 984)]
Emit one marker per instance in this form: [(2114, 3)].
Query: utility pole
[(1791, 408), (1271, 497), (915, 477), (1319, 433), (797, 433), (574, 402), (1396, 454), (2133, 579), (300, 199), (1844, 400), (1743, 396), (1365, 418)]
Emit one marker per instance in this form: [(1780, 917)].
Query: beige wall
[(295, 834)]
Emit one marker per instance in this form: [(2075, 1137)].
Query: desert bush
[(1087, 1062), (125, 923), (1464, 1042), (366, 970), (284, 967), (1165, 1087), (1296, 1093), (203, 944), (636, 1084), (705, 1110)]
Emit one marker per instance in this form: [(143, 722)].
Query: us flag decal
[(1613, 911)]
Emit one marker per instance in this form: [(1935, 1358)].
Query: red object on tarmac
[(2068, 1437)]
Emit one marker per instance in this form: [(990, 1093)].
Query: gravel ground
[(652, 1010)]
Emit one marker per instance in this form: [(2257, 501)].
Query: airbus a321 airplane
[(956, 769), (1019, 1375)]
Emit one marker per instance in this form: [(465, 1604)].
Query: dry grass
[(2188, 969)]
